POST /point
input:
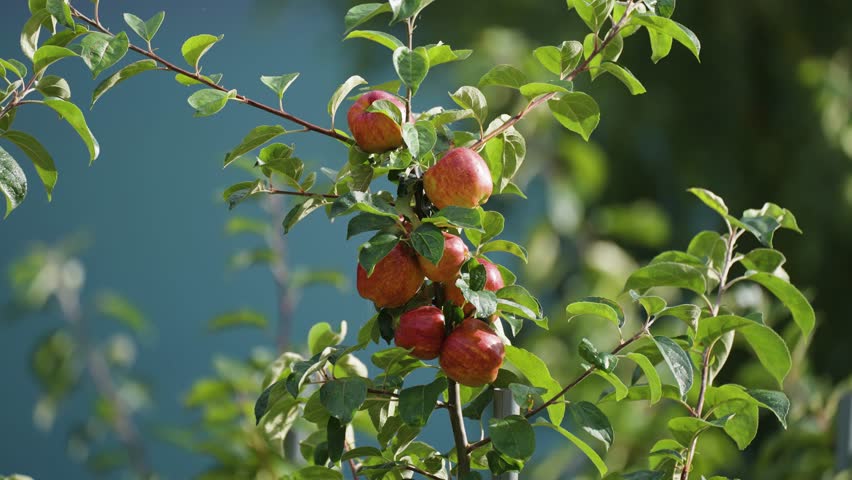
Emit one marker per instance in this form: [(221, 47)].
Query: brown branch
[(412, 468), (582, 67), (459, 433), (275, 191), (201, 79)]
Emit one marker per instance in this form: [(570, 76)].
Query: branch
[(459, 434), (275, 191), (412, 468), (199, 78), (582, 67)]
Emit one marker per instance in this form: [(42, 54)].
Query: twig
[(275, 191), (459, 433), (412, 468), (201, 79)]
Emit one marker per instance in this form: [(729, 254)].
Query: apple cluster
[(469, 351)]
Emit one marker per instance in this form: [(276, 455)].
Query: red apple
[(460, 178), (423, 330), (472, 354), (396, 278), (374, 132), (493, 282), (447, 269)]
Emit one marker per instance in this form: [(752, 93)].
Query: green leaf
[(776, 402), (238, 192), (145, 29), (670, 28), (468, 218), (363, 202), (321, 336), (538, 374), (416, 404), (38, 154), (341, 93), (665, 8), (666, 274), (505, 246), (560, 60), (31, 32), (661, 45), (46, 55), (651, 303), (411, 66), (101, 51), (255, 138), (360, 14), (791, 297), (684, 429), (127, 72), (196, 46), (601, 360), (210, 101), (375, 249), (512, 436), (72, 114), (688, 313), (15, 67), (770, 349), (316, 472), (441, 53), (517, 301), (504, 76), (238, 318), (382, 38), (625, 76), (472, 99), (655, 386), (678, 362), (587, 417), (13, 182), (403, 9), (419, 137), (594, 12), (708, 245), (343, 396), (598, 306), (61, 11), (279, 84), (492, 224), (367, 222), (577, 112), (732, 401), (583, 446), (532, 90), (716, 203), (186, 81), (302, 210), (428, 241)]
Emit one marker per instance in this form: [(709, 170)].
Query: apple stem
[(459, 433)]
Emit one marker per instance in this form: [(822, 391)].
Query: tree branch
[(459, 433), (199, 78), (275, 191)]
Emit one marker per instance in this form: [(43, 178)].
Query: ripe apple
[(374, 132), (423, 330), (396, 278), (472, 354), (460, 178), (447, 269), (493, 282)]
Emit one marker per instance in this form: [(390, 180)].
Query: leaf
[(791, 297), (460, 217), (411, 66), (13, 182), (343, 396), (441, 53), (375, 249), (238, 318), (145, 29), (238, 192), (770, 349), (472, 99), (666, 274), (403, 9), (625, 76), (316, 472), (300, 211), (655, 386), (127, 72), (776, 402), (716, 203), (416, 404), (255, 138), (196, 46), (367, 222), (61, 11), (31, 32), (517, 301), (651, 303), (186, 81), (678, 362), (503, 76), (670, 28), (598, 306), (512, 436), (419, 137), (101, 51), (382, 38), (321, 336), (428, 241), (708, 245), (279, 84), (661, 45), (210, 101), (40, 157), (560, 60), (684, 429), (587, 417), (538, 374), (535, 89), (602, 360), (505, 246), (72, 114), (577, 112), (732, 401), (46, 55), (594, 12), (363, 202), (360, 14), (341, 93), (583, 446)]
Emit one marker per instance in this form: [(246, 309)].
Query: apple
[(447, 269), (461, 178), (493, 282), (472, 354), (374, 132), (395, 280), (423, 330)]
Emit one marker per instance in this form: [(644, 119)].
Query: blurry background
[(765, 116)]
